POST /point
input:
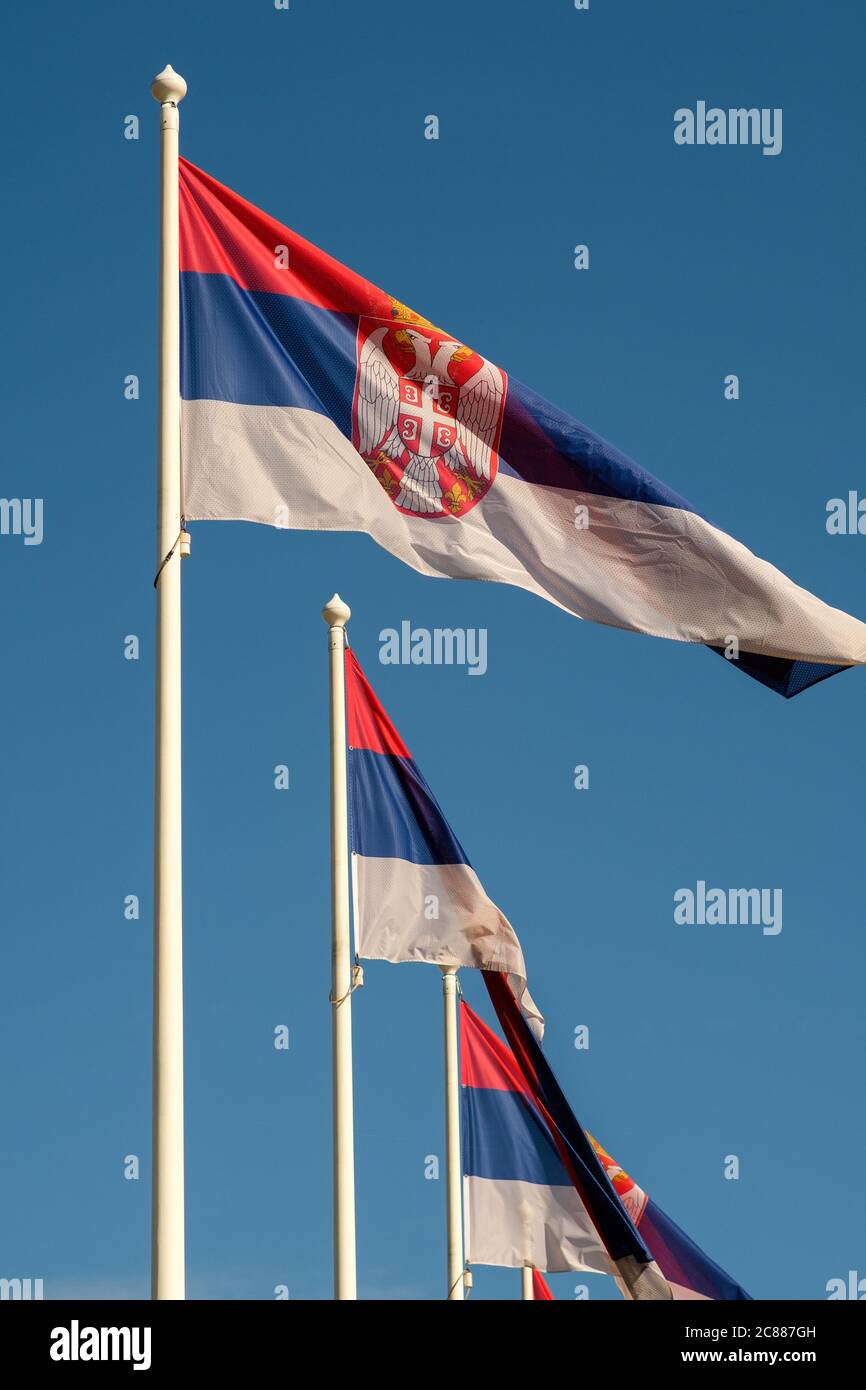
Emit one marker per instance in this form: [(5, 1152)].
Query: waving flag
[(529, 1198), (540, 1291), (689, 1272), (312, 400), (416, 896)]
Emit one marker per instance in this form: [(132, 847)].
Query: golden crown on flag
[(403, 314)]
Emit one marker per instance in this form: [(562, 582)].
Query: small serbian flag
[(416, 896), (527, 1198), (690, 1273), (540, 1291), (312, 400)]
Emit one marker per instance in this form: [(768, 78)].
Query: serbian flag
[(416, 896), (690, 1273), (312, 400), (529, 1197)]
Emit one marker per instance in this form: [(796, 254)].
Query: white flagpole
[(453, 1164), (526, 1284), (167, 1217), (336, 614)]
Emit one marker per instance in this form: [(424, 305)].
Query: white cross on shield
[(426, 422)]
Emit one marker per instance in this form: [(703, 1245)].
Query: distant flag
[(416, 895), (530, 1197), (312, 400), (690, 1273), (540, 1292)]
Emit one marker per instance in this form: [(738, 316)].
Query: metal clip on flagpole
[(453, 1166), (336, 614), (167, 1220)]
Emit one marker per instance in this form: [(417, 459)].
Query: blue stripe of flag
[(254, 347), (504, 1137), (394, 814), (258, 348), (683, 1262)]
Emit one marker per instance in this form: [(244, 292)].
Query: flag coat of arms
[(313, 400), (416, 896)]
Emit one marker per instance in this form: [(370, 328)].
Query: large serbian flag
[(528, 1197), (312, 400), (507, 1087), (416, 896)]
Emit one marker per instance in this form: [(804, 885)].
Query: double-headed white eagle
[(479, 402)]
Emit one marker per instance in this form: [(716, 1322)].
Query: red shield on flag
[(426, 416)]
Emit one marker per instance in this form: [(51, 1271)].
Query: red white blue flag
[(416, 896), (312, 400), (530, 1197), (537, 1186)]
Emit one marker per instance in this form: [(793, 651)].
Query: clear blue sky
[(556, 128)]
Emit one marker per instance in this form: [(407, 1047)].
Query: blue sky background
[(556, 128)]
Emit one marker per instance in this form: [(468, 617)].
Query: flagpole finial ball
[(336, 613), (168, 85)]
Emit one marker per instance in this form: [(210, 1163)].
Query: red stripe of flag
[(486, 1063), (222, 234), (368, 725)]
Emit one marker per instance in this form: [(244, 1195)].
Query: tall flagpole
[(453, 1165), (167, 1218), (336, 614), (527, 1292)]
